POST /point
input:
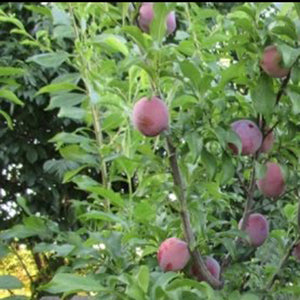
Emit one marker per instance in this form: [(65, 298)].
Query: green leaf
[(9, 95), (294, 94), (263, 95), (16, 298), (60, 17), (144, 212), (67, 283), (184, 101), (201, 286), (65, 100), (190, 71), (127, 165), (4, 250), (113, 121), (49, 60), (158, 25), (139, 38), (290, 211), (10, 71), (228, 170), (75, 113), (249, 296), (234, 71), (162, 282), (33, 226), (87, 184), (70, 174), (61, 250), (143, 278), (112, 43), (261, 170), (22, 203), (78, 154), (13, 21), (209, 163), (31, 155), (297, 7), (39, 9), (8, 282), (57, 87), (7, 118), (99, 215), (289, 55)]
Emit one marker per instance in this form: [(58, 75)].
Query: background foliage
[(90, 197)]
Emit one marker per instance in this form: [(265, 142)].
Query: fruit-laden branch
[(248, 206), (189, 236)]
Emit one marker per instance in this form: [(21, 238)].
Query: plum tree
[(250, 135), (150, 117), (296, 251), (257, 228), (212, 265), (173, 254), (267, 142), (272, 184), (271, 63), (147, 14)]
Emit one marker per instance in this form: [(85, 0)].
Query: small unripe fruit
[(212, 266), (272, 184), (250, 135), (271, 63), (147, 14), (173, 254), (150, 117), (296, 252), (267, 142), (257, 228)]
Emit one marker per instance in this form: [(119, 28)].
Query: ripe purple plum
[(212, 265), (257, 228), (173, 254), (147, 14), (150, 117), (267, 142), (296, 251), (272, 184), (271, 63), (250, 135)]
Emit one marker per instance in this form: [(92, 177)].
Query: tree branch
[(185, 217), (281, 264)]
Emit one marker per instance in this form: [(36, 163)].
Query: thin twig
[(281, 264), (185, 217), (15, 252), (282, 88), (94, 109)]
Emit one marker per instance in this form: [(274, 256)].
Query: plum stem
[(185, 217)]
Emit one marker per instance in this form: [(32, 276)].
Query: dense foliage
[(95, 193)]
